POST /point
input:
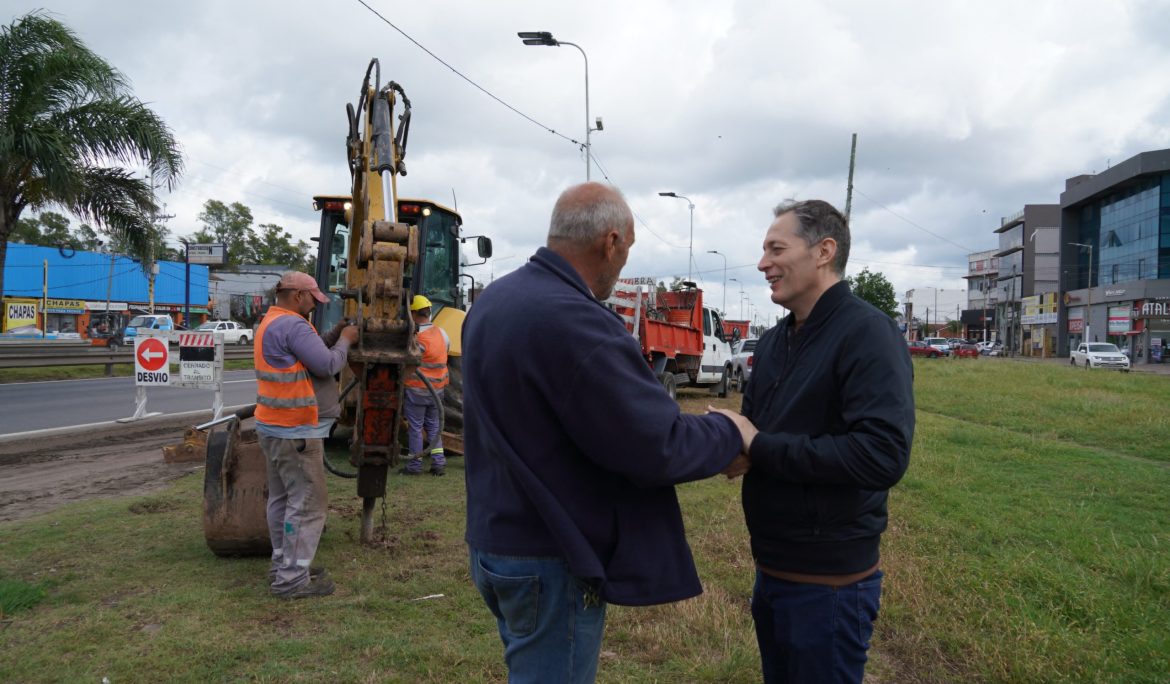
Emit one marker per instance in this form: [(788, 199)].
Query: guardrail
[(56, 356)]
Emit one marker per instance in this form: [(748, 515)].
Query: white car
[(233, 333), (1099, 355), (940, 343)]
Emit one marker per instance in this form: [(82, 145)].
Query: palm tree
[(68, 123)]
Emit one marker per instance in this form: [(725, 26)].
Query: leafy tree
[(230, 224), (68, 121), (50, 229), (274, 245), (87, 239), (875, 289)]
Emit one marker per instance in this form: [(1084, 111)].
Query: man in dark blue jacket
[(828, 420), (572, 448)]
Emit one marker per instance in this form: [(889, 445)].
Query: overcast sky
[(965, 111)]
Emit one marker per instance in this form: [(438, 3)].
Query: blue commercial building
[(57, 290)]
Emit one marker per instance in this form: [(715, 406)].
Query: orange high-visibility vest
[(434, 361), (284, 396)]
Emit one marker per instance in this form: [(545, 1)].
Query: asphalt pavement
[(65, 403)]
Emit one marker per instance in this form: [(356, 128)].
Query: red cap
[(295, 280)]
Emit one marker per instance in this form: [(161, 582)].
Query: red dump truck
[(684, 342)]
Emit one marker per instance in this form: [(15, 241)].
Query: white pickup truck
[(233, 333)]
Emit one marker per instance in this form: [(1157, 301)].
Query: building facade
[(57, 292), (1115, 244), (982, 280), (1029, 265)]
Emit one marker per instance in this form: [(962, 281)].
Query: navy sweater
[(572, 445), (834, 404)]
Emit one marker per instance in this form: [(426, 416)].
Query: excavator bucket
[(235, 494)]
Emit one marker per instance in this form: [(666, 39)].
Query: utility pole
[(152, 265), (849, 188)]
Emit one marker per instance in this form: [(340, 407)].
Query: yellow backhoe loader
[(375, 251)]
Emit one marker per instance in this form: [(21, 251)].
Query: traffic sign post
[(152, 360), (201, 365)]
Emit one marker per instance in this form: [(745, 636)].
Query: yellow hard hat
[(419, 302)]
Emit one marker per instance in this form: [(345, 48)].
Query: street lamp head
[(667, 194), (714, 251), (537, 38)]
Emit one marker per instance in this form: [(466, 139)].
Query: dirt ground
[(39, 475)]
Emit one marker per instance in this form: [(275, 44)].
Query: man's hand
[(747, 431), (738, 466), (350, 334)]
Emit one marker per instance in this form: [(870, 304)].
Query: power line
[(967, 250), (458, 73)]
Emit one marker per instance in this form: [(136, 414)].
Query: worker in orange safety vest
[(421, 407)]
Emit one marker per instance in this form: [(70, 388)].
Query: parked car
[(1099, 355), (939, 343), (985, 347), (965, 349), (739, 367), (921, 348), (146, 322), (233, 333)]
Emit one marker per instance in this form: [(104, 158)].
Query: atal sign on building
[(1154, 308)]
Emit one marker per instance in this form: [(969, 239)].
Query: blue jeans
[(551, 623), (814, 633)]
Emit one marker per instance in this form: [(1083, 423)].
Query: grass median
[(1027, 543)]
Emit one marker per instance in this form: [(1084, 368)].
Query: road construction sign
[(151, 361), (197, 358)]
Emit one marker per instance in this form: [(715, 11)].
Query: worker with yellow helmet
[(421, 407)]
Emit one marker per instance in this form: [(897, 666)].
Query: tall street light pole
[(740, 296), (1089, 284), (715, 251), (691, 244), (546, 38)]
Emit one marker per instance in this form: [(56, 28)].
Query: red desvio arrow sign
[(152, 354)]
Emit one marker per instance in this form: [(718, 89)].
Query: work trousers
[(422, 415), (814, 634), (551, 623), (297, 502)]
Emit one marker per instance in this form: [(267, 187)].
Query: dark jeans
[(550, 622), (814, 633)]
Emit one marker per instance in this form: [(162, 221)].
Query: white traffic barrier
[(200, 366)]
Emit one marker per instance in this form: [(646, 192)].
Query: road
[(65, 403)]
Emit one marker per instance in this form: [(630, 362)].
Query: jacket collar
[(828, 301), (554, 263)]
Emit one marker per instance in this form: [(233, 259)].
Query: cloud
[(964, 113)]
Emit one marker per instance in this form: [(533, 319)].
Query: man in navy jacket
[(573, 448), (832, 399)]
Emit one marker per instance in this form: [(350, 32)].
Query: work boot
[(319, 586), (315, 571), (438, 470)]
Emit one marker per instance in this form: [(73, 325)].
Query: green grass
[(1026, 545), (44, 373)]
